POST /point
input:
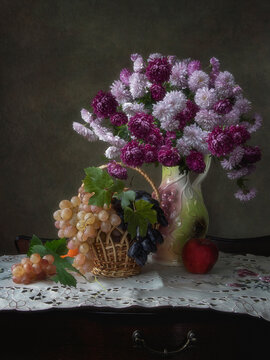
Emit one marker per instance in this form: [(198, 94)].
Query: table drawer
[(71, 334)]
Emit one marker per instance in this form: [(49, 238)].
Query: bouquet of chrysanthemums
[(172, 112)]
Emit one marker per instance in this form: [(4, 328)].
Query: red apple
[(199, 255)]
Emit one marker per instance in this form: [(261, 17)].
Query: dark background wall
[(55, 55)]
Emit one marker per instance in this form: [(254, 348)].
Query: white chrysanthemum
[(243, 105), (179, 75), (138, 85), (166, 109), (87, 116), (106, 135), (207, 119), (138, 64), (224, 84), (112, 152), (234, 159), (195, 138), (232, 118), (120, 92), (197, 80), (154, 56), (130, 109), (84, 131), (205, 98)]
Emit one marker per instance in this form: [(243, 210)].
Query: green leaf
[(126, 197), (59, 246), (144, 208), (100, 183), (140, 217), (64, 278), (34, 241)]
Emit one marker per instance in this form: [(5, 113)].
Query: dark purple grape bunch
[(143, 246)]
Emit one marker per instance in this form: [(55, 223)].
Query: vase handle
[(199, 179)]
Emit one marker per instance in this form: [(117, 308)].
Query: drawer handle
[(139, 342)]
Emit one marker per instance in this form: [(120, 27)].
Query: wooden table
[(134, 333)]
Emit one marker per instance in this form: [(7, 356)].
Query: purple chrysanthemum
[(104, 104), (124, 76), (220, 142), (168, 156), (241, 172), (239, 134), (187, 114), (117, 171), (150, 153), (215, 70), (193, 66), (132, 154), (155, 137), (170, 135), (195, 162), (251, 155), (157, 92), (245, 195), (119, 119), (140, 125), (223, 107), (158, 70)]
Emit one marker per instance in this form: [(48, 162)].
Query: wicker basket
[(110, 257)]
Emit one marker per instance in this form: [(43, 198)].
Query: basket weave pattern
[(110, 257)]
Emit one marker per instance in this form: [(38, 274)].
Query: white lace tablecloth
[(237, 283)]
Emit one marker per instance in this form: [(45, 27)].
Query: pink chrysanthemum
[(242, 105), (239, 134), (205, 98), (84, 131), (224, 84), (215, 70), (124, 76), (157, 92), (207, 119), (193, 66), (140, 125), (198, 79), (222, 107), (241, 172), (117, 171), (119, 119), (245, 195), (168, 156), (179, 75), (195, 162), (104, 104), (137, 85), (234, 159), (220, 142), (132, 154), (158, 70), (150, 153), (120, 92)]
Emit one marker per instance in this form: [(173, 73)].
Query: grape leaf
[(140, 217), (57, 248), (34, 241), (126, 197), (102, 185)]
